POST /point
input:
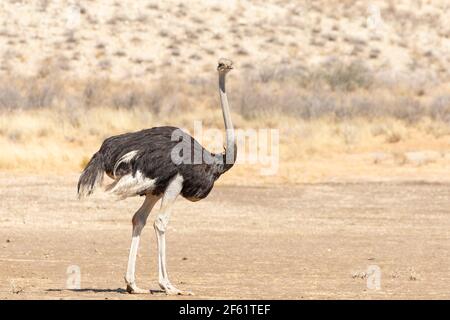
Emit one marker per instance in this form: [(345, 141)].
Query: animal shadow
[(100, 290)]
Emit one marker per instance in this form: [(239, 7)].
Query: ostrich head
[(224, 65)]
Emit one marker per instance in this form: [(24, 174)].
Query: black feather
[(154, 160), (91, 176)]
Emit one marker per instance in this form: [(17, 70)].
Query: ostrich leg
[(160, 225), (139, 220)]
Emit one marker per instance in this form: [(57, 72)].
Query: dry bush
[(10, 97), (28, 94), (48, 121), (440, 108), (334, 90), (344, 76), (53, 92)]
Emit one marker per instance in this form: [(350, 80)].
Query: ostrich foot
[(172, 291), (132, 288), (136, 290)]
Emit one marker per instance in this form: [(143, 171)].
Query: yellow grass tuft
[(310, 151)]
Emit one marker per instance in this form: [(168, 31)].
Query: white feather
[(129, 185), (127, 157)]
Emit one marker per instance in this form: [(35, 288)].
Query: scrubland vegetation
[(53, 123), (348, 100)]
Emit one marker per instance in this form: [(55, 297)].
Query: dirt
[(295, 242)]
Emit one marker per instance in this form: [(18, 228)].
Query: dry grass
[(348, 99), (310, 151), (329, 129)]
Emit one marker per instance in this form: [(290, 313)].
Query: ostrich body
[(159, 163)]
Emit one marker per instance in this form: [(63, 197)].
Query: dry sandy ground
[(298, 242)]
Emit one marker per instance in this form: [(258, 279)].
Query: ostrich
[(147, 163)]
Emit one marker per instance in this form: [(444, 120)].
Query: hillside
[(139, 40)]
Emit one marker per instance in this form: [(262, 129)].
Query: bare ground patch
[(297, 242)]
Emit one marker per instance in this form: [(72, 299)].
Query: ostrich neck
[(230, 151)]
